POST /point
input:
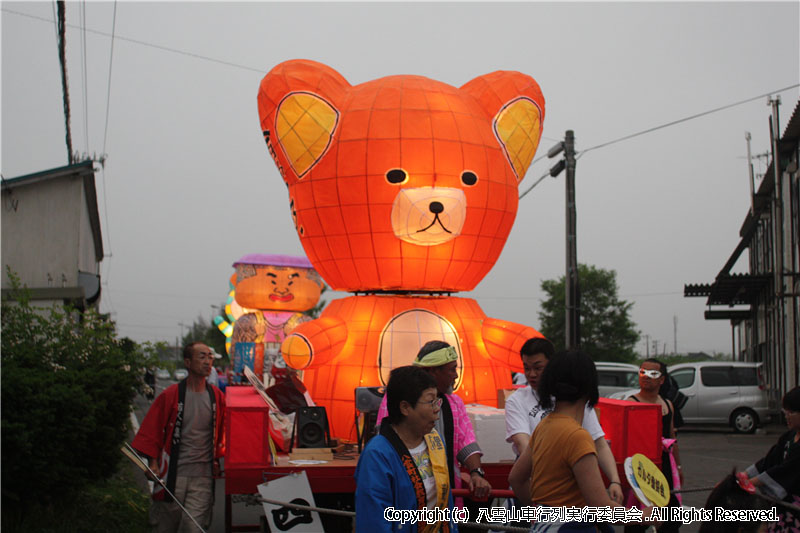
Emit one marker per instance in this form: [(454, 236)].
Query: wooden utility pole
[(572, 327), (572, 293)]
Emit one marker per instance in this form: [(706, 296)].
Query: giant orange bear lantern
[(403, 190), (271, 293)]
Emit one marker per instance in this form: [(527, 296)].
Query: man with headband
[(440, 360)]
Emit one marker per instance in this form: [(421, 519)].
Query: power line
[(105, 138), (685, 119), (110, 64), (662, 126), (144, 43)]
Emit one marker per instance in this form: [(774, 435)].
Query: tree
[(68, 384), (607, 331)]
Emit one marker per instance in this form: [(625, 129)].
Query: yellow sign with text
[(651, 480)]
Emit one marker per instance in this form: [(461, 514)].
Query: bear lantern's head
[(401, 183)]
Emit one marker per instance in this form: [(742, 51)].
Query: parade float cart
[(630, 428), (249, 462)]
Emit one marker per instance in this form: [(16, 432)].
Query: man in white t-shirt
[(524, 412)]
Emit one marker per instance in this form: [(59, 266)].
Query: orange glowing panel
[(400, 158)]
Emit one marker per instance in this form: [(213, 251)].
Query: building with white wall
[(51, 235)]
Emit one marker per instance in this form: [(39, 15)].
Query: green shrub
[(67, 388), (116, 504)]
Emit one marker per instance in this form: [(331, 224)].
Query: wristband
[(613, 482)]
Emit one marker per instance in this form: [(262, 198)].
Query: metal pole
[(572, 289), (675, 334), (752, 178), (778, 225)]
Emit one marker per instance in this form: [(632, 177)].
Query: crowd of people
[(425, 438)]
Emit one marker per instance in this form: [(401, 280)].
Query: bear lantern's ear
[(297, 104), (516, 105)]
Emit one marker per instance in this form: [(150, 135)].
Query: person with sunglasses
[(652, 374), (404, 467)]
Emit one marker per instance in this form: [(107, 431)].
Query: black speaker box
[(311, 426), (369, 398)]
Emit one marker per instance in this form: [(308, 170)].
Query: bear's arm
[(315, 343), (504, 339)]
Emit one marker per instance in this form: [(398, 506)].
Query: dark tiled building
[(762, 305)]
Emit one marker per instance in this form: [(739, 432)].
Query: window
[(607, 379), (618, 378), (717, 376), (684, 377), (745, 376)]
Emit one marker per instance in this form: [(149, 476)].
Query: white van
[(719, 392)]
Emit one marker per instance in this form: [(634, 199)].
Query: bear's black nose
[(436, 207)]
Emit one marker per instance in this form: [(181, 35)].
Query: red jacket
[(157, 437)]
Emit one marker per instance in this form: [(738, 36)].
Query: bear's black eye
[(396, 175), (469, 178)]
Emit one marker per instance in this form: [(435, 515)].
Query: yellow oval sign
[(650, 479)]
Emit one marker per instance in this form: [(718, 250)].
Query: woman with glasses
[(778, 473), (652, 375), (404, 467)]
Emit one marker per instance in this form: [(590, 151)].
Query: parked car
[(616, 377), (162, 373), (730, 393), (181, 373)]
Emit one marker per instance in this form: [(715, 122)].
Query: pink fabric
[(676, 478)]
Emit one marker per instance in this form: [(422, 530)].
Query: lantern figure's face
[(401, 183), (276, 288)]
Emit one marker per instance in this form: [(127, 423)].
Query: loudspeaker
[(369, 398), (368, 402), (311, 424)]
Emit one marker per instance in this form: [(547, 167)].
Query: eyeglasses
[(435, 403), (652, 374)]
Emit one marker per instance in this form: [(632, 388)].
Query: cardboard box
[(503, 394), (315, 454), (489, 424)]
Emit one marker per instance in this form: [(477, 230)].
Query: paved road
[(707, 453)]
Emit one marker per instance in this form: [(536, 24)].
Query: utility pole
[(572, 298), (675, 334), (572, 286), (752, 178), (647, 345), (778, 223)]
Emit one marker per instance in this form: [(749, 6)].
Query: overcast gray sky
[(189, 187)]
